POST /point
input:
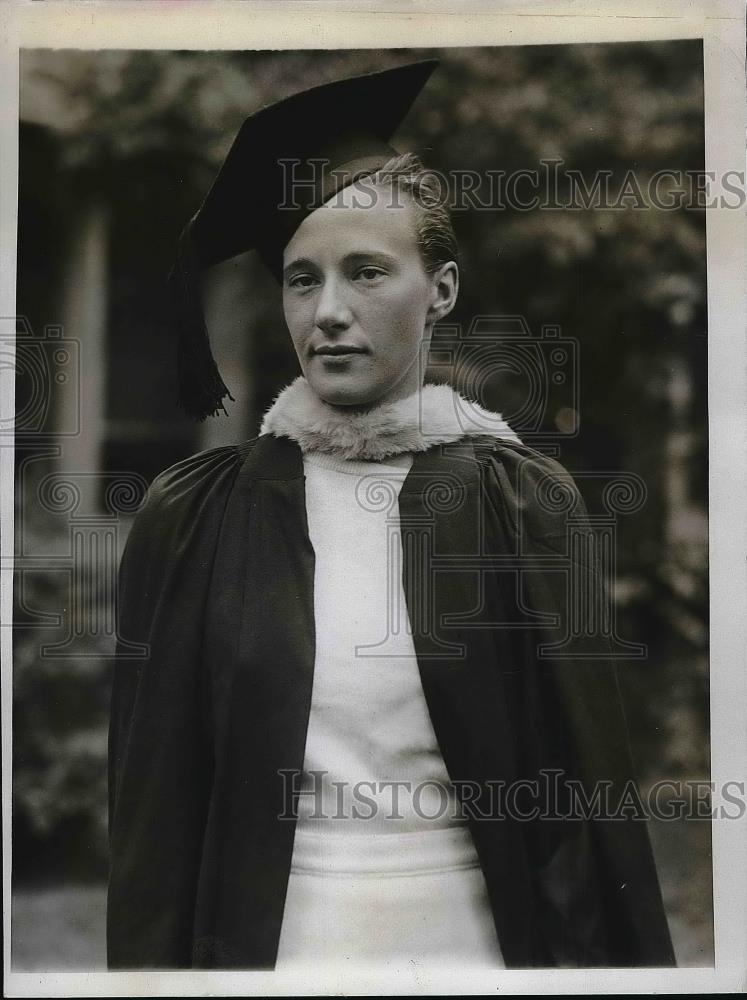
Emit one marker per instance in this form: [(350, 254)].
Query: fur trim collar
[(435, 415)]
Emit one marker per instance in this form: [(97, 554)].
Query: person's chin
[(346, 390)]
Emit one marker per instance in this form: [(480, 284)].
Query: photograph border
[(244, 24)]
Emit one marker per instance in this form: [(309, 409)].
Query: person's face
[(357, 299)]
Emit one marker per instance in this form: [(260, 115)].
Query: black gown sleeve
[(159, 737), (596, 878)]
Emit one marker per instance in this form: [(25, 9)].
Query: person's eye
[(302, 281), (369, 273)]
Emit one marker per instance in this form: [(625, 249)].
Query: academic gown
[(217, 579)]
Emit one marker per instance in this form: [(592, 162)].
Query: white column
[(84, 315)]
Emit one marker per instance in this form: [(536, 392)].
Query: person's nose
[(332, 311)]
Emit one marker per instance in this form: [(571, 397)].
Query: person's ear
[(444, 291)]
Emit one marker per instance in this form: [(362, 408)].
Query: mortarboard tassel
[(201, 387)]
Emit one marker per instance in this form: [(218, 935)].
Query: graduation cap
[(286, 160)]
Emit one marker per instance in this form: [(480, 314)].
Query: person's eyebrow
[(361, 256), (299, 262)]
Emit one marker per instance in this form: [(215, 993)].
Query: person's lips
[(338, 350)]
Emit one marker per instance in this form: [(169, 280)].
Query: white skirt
[(374, 900)]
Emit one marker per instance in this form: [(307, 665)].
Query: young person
[(321, 634)]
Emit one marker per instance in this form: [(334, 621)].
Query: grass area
[(59, 929)]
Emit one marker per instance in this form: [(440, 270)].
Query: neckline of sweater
[(393, 465)]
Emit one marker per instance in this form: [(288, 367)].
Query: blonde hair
[(436, 239)]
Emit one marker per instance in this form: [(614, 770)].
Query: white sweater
[(400, 881), (369, 723)]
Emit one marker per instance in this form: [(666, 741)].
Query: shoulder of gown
[(533, 492), (180, 496)]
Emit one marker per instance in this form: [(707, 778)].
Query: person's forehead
[(359, 217)]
